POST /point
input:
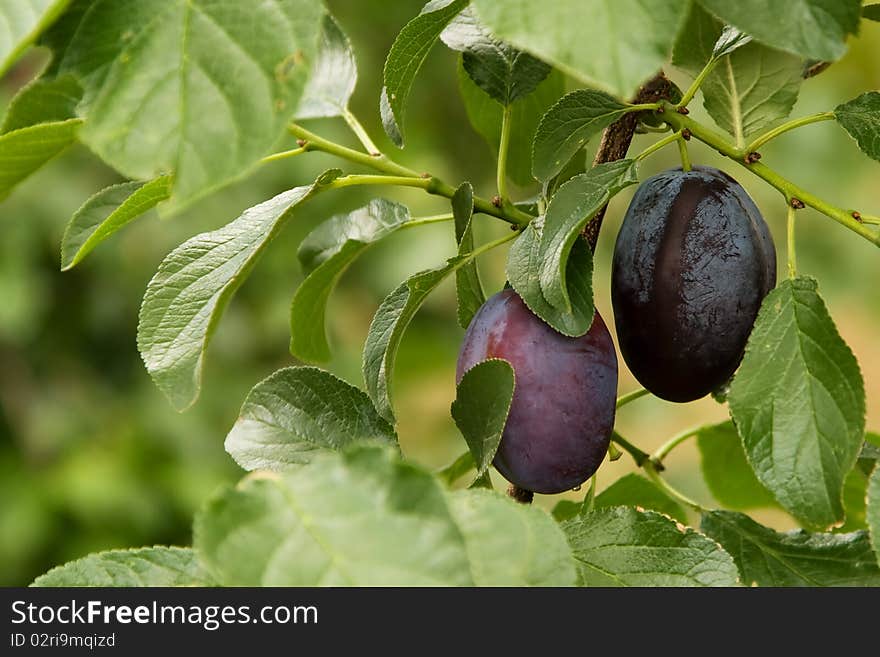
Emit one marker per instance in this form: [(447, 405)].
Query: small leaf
[(573, 205), (407, 54), (860, 117), (727, 472), (621, 546), (24, 151), (524, 266), (23, 21), (468, 288), (482, 402), (730, 39), (810, 28), (45, 100), (615, 45), (334, 75), (798, 558), (107, 212), (751, 89), (569, 125), (457, 469), (299, 412), (510, 544), (186, 297), (357, 518), (503, 72), (327, 252), (798, 402), (485, 116), (635, 490), (872, 514), (156, 566)]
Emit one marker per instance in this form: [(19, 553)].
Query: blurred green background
[(92, 457)]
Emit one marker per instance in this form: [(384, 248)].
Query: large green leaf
[(524, 266), (810, 28), (635, 490), (621, 546), (615, 45), (798, 402), (751, 89), (482, 402), (569, 125), (24, 151), (45, 100), (333, 77), (468, 287), (695, 44), (503, 72), (571, 207), (511, 544), (21, 22), (326, 253), (860, 117), (297, 413), (156, 566), (107, 212), (407, 54), (198, 88), (186, 297), (357, 518), (727, 472), (798, 558), (485, 116)]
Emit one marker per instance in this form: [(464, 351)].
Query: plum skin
[(562, 413), (693, 261)]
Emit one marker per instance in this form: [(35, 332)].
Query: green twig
[(503, 148), (672, 443), (683, 153), (657, 145), (785, 127), (697, 83), (283, 155), (360, 133), (652, 471), (432, 219), (792, 254), (625, 399), (638, 455)]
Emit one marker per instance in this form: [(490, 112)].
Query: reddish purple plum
[(562, 414)]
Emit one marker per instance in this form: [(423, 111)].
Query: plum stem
[(360, 132), (676, 440), (628, 397), (657, 145), (521, 495), (791, 252), (651, 470), (683, 153), (638, 455)]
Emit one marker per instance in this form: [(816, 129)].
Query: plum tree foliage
[(198, 93)]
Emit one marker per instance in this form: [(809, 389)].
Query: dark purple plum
[(693, 261), (562, 413)]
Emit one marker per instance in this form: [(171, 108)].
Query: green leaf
[(43, 101), (23, 21), (482, 402), (569, 125), (798, 402), (485, 116), (798, 558), (407, 54), (727, 472), (327, 252), (524, 266), (24, 151), (503, 72), (566, 510), (298, 413), (871, 12), (511, 544), (621, 546), (107, 212), (334, 75), (696, 41), (616, 46), (855, 489), (186, 297), (457, 469), (155, 566), (731, 39), (155, 70), (810, 28), (860, 117), (573, 205), (635, 490), (872, 514), (751, 89), (468, 288)]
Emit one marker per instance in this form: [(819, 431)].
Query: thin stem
[(788, 189), (638, 455), (657, 145), (683, 153), (785, 127), (502, 154), (424, 221), (697, 83), (360, 133), (283, 155), (370, 179), (651, 470), (672, 443), (792, 254), (870, 219), (623, 400)]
